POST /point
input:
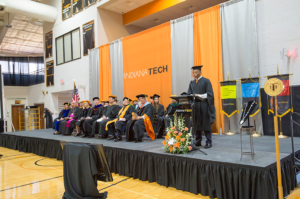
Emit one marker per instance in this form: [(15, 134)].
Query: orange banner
[(147, 63), (208, 52), (105, 72)]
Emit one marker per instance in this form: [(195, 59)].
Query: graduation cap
[(197, 67), (130, 100), (66, 103), (156, 96), (134, 100), (126, 98), (151, 97), (184, 93), (103, 101), (112, 96), (141, 95), (95, 98), (88, 101), (106, 102)]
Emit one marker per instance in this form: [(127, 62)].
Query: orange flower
[(176, 145), (186, 128), (177, 138), (190, 148), (173, 127), (171, 149), (164, 143), (180, 134), (182, 139), (167, 137), (175, 132)]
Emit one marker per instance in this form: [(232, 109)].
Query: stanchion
[(281, 134), (229, 132), (255, 132)]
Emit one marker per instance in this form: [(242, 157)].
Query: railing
[(296, 161)]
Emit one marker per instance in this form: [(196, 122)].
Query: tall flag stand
[(284, 100), (250, 92), (275, 87), (75, 96), (228, 100)]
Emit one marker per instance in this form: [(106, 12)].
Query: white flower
[(171, 141)]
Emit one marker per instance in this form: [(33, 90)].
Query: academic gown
[(64, 113), (165, 121), (111, 113), (63, 129), (158, 114), (135, 129), (48, 118), (95, 114), (118, 125), (81, 118), (204, 110)]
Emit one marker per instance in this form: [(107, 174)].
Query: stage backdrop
[(208, 52), (147, 63), (105, 72)]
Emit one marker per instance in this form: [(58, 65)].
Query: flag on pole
[(75, 94)]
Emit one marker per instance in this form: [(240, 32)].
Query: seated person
[(65, 125), (124, 115), (159, 111), (111, 113), (169, 115), (135, 104), (141, 121), (81, 104), (91, 118), (86, 109), (64, 113)]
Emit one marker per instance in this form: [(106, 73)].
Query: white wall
[(12, 93), (278, 27)]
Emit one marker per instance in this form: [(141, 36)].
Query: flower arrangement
[(178, 138)]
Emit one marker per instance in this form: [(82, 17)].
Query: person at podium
[(204, 110)]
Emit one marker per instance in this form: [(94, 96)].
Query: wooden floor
[(25, 175)]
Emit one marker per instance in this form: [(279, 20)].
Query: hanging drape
[(22, 71), (105, 72), (94, 72), (208, 52), (116, 59), (147, 63), (182, 45), (240, 49)]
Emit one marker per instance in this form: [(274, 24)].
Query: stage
[(220, 174)]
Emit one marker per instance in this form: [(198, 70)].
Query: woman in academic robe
[(64, 113), (86, 110), (159, 111)]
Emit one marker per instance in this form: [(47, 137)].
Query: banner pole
[(229, 132), (255, 132), (280, 191), (281, 134)]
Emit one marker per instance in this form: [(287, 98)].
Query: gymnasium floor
[(25, 175)]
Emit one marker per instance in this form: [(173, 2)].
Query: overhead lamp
[(157, 20)]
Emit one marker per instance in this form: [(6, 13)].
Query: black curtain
[(22, 71)]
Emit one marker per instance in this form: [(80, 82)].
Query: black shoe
[(208, 145), (77, 135), (91, 136), (119, 138), (84, 136), (198, 143), (138, 140), (100, 136), (111, 137)]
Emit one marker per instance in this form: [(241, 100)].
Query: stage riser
[(214, 179)]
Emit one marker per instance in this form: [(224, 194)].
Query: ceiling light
[(157, 20), (191, 8), (129, 3)]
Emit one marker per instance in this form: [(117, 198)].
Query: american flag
[(75, 94)]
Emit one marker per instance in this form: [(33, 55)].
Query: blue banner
[(250, 90)]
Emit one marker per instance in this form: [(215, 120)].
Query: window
[(68, 47)]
